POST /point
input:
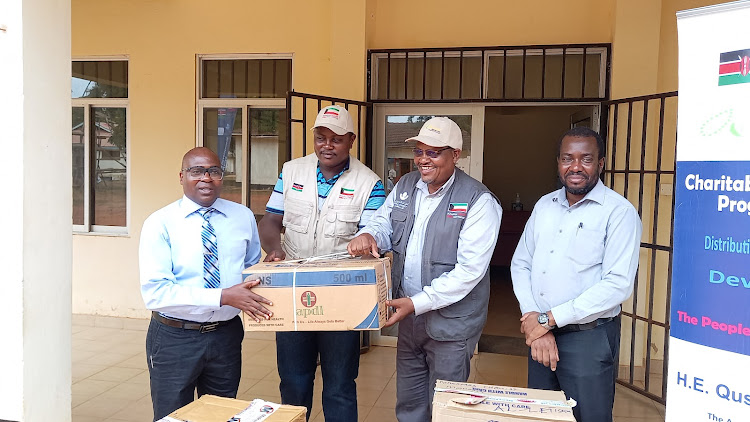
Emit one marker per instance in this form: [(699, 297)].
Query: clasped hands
[(542, 341)]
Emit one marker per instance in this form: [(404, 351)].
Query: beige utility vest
[(312, 232)]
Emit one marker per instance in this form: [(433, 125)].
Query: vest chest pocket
[(398, 224), (342, 221), (587, 248), (297, 215)]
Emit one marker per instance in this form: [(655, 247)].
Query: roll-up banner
[(709, 348)]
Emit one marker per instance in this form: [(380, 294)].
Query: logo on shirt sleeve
[(297, 187), (457, 209)]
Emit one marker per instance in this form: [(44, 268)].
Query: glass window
[(100, 145), (268, 152), (79, 174), (243, 119), (254, 78), (100, 79), (222, 133), (110, 166)]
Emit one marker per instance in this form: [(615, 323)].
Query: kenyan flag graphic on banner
[(734, 67)]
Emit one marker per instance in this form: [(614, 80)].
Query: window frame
[(87, 228), (245, 104)]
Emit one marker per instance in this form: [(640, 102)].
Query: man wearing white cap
[(442, 227), (320, 201)]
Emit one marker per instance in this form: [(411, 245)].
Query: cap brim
[(427, 141), (338, 130)]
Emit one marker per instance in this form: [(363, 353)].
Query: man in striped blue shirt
[(320, 201)]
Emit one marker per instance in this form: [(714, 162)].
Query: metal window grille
[(303, 108), (641, 166), (533, 73)]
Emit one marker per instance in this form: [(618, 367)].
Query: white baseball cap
[(335, 118), (440, 132)]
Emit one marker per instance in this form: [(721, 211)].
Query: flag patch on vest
[(346, 193), (297, 187), (457, 209)]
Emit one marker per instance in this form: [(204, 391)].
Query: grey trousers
[(420, 361)]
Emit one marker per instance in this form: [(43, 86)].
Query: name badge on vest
[(346, 193), (400, 201), (297, 187), (457, 210)]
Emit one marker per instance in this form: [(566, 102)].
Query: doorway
[(520, 146), (509, 148)]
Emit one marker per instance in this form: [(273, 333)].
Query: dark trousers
[(420, 362), (586, 372), (181, 361), (297, 355)]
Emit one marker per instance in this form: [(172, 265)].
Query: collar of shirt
[(422, 186), (187, 206), (332, 181), (596, 195)]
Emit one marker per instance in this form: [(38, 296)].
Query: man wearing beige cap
[(442, 226), (320, 201)]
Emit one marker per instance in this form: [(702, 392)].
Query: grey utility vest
[(465, 318)]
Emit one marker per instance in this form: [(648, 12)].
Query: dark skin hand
[(402, 308), (544, 351), (362, 245), (269, 230), (531, 327), (241, 297)]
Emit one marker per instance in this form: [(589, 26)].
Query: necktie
[(210, 251)]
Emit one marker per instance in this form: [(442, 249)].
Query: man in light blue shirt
[(192, 253), (442, 226), (573, 267)]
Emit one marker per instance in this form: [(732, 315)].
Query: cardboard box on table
[(221, 409), (322, 294), (491, 403)]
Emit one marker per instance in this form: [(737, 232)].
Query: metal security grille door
[(641, 136), (301, 112), (303, 108)]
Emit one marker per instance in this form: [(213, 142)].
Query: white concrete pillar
[(35, 249)]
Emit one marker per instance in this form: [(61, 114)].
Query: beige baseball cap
[(335, 118), (440, 132)]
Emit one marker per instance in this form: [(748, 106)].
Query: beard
[(583, 190)]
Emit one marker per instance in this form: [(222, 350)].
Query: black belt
[(203, 327), (584, 327)]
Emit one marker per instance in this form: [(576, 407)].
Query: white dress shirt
[(578, 261), (171, 258), (476, 242)]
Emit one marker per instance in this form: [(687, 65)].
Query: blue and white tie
[(211, 276)]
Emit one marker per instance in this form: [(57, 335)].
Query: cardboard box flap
[(210, 408), (520, 403)]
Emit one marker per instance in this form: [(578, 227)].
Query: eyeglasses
[(197, 172), (429, 152)]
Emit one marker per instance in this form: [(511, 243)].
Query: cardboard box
[(323, 295), (221, 409), (466, 402)]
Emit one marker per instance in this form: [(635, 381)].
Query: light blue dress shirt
[(578, 261), (476, 242), (171, 258)]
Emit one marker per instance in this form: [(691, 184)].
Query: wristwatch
[(543, 320)]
